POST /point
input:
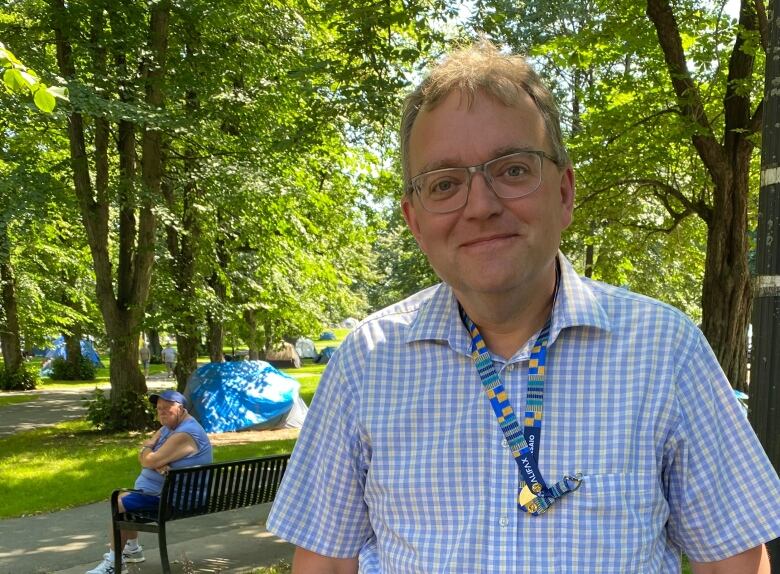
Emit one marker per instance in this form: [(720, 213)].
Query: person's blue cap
[(169, 395)]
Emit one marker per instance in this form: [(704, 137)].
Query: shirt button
[(504, 443), (503, 521)]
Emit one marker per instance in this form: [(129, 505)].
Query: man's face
[(169, 413), (490, 245)]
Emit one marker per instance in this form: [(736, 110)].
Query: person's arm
[(150, 442), (178, 446), (307, 562), (753, 561)]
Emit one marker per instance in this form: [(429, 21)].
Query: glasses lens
[(443, 190), (515, 175)]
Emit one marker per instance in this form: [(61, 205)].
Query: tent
[(60, 352), (328, 336), (244, 395), (349, 323), (325, 355), (305, 348), (284, 357)]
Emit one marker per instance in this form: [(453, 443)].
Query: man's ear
[(410, 216), (567, 190)]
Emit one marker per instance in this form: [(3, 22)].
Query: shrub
[(134, 412), (62, 370), (25, 379)]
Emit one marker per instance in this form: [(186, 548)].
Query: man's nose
[(482, 201)]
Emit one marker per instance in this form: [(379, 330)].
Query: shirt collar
[(438, 318), (576, 305)]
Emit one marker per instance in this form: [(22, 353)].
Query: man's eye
[(514, 170), (441, 186), (444, 184)]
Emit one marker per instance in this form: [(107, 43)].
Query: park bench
[(199, 490)]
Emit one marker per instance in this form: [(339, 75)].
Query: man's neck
[(507, 320)]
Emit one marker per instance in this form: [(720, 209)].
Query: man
[(145, 355), (423, 450), (179, 443), (169, 358)]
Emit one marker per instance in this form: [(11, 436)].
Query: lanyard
[(533, 494)]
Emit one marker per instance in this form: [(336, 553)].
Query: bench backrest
[(221, 486)]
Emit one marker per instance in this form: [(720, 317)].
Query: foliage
[(19, 78), (64, 370), (25, 379), (402, 267), (110, 416)]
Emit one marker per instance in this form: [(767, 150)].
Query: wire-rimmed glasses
[(510, 176)]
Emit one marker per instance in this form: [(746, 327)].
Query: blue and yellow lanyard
[(533, 494)]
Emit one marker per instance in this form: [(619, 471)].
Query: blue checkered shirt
[(401, 460)]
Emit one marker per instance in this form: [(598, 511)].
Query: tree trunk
[(186, 359), (216, 340), (726, 294), (73, 349), (183, 246), (215, 319), (268, 333), (250, 318), (9, 325), (124, 309), (155, 348), (126, 376)]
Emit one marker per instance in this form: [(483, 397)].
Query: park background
[(226, 173)]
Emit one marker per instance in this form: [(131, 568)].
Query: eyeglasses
[(510, 177)]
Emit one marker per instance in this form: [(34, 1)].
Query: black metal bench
[(200, 490)]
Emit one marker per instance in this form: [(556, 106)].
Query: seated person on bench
[(180, 442)]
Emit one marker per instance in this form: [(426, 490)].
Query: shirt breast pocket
[(612, 524)]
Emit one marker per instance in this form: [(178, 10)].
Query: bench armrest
[(115, 500)]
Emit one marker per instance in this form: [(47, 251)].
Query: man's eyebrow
[(498, 152)]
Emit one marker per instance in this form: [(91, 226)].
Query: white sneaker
[(136, 555), (107, 567)]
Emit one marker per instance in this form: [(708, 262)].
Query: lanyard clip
[(576, 480)]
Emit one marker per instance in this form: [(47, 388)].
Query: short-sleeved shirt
[(169, 355), (401, 460), (150, 481)]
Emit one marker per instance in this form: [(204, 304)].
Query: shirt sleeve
[(722, 490), (320, 504)]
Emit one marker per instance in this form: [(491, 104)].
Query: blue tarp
[(327, 336), (325, 355), (240, 395), (59, 352)]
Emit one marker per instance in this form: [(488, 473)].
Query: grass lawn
[(71, 464), (16, 399)]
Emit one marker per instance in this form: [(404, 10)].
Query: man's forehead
[(162, 403)]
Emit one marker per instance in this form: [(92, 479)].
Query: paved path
[(54, 406), (72, 541)]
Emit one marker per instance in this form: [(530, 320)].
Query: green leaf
[(7, 57), (58, 92), (15, 80), (43, 99)]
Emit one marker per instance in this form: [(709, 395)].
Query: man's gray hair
[(481, 67)]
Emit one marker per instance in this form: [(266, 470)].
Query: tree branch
[(688, 96)]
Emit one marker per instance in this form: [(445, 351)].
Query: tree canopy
[(223, 171)]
